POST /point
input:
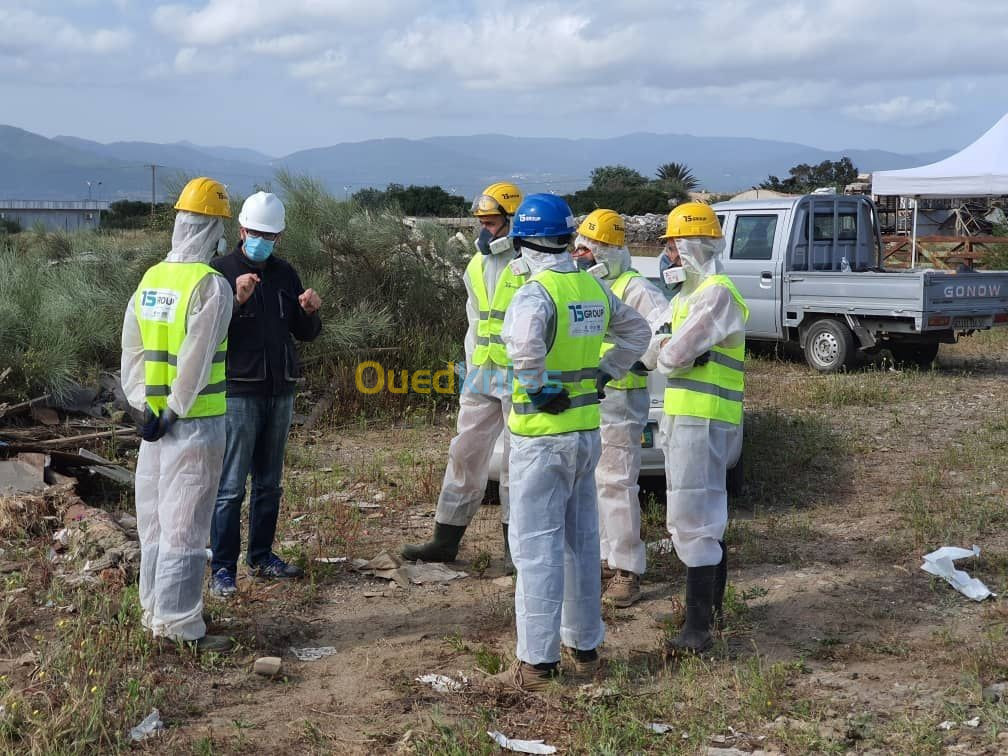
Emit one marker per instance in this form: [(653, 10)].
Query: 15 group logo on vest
[(586, 318), (159, 304)]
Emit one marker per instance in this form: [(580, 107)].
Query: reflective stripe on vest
[(714, 390), (630, 380), (489, 345), (582, 319), (161, 304)]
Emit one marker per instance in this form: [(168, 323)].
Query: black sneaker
[(275, 568), (222, 584)]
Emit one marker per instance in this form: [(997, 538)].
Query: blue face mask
[(483, 241), (258, 249)]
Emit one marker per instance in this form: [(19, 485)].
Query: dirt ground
[(836, 641)]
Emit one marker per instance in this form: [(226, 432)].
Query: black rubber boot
[(509, 568), (443, 547), (695, 635), (720, 581)]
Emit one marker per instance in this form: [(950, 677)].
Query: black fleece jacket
[(261, 358)]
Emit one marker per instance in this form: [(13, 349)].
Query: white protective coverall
[(484, 405), (554, 513), (698, 451), (624, 415), (177, 476)]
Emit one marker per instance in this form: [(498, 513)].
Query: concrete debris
[(659, 728), (18, 475), (268, 666), (727, 752), (520, 746), (312, 654)]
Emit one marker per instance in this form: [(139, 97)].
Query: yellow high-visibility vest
[(161, 303), (630, 380), (491, 314), (714, 390), (582, 319)]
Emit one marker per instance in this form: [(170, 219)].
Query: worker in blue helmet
[(553, 331)]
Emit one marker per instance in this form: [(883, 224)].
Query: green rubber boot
[(443, 547)]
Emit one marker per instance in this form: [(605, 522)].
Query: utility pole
[(153, 187)]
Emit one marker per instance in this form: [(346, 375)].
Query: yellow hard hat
[(501, 198), (205, 196), (604, 226), (692, 219)]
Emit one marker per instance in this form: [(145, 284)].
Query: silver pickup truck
[(810, 269)]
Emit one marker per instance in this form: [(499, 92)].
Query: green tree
[(423, 201), (616, 177), (806, 178), (678, 173)]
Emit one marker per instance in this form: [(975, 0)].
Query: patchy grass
[(958, 495)]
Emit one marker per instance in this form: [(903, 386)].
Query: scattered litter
[(520, 746), (659, 728), (975, 722), (330, 560), (948, 724), (312, 654), (443, 683), (296, 520), (151, 727), (374, 594), (268, 666), (941, 564), (388, 566)]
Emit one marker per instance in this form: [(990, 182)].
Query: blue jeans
[(257, 428)]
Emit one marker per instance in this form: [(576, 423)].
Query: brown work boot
[(526, 677), (607, 571), (579, 668), (623, 589)]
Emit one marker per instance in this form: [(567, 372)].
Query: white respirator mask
[(674, 275), (599, 270)]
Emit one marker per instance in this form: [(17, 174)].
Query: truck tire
[(829, 346), (914, 355)]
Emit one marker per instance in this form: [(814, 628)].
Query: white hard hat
[(263, 212)]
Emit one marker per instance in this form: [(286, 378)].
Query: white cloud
[(221, 21), (902, 109), (30, 31)]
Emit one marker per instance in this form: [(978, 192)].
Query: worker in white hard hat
[(271, 309)]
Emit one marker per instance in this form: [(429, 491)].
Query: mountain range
[(37, 167)]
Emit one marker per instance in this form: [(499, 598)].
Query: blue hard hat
[(542, 215)]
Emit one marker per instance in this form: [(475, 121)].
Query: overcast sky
[(283, 75)]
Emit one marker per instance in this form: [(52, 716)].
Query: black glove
[(665, 328), (639, 368), (600, 383), (702, 360), (551, 399), (155, 426)]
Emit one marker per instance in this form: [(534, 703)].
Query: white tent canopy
[(979, 170)]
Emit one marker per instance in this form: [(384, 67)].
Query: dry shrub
[(35, 514)]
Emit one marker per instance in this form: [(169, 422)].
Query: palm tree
[(680, 174)]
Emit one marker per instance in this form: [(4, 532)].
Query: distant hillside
[(35, 167)]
